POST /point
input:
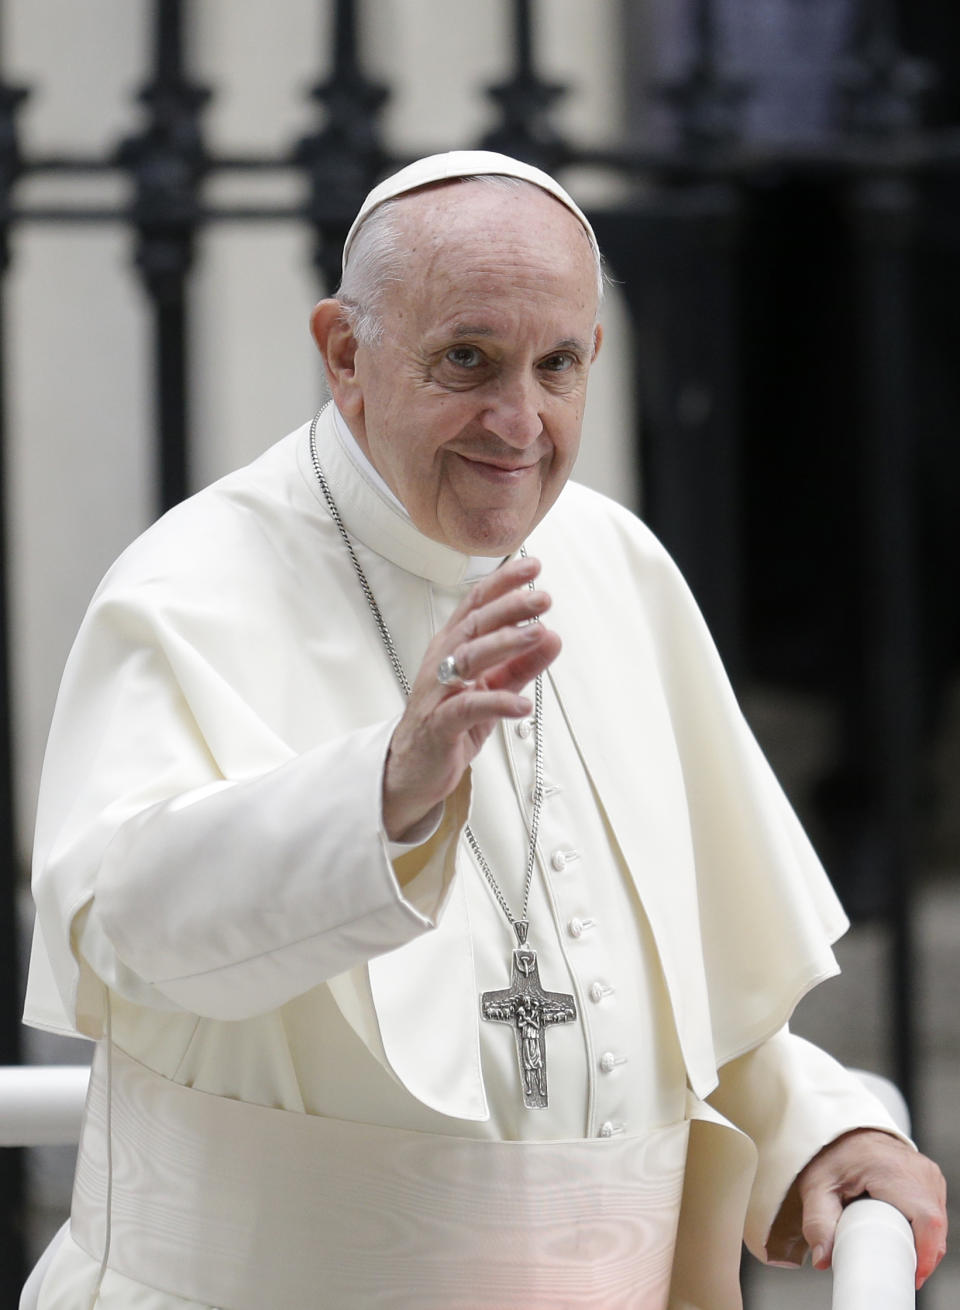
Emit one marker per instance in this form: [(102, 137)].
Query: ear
[(597, 341), (335, 340)]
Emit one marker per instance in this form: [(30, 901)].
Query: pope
[(403, 849)]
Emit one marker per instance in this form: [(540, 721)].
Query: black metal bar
[(883, 211), (676, 254), (920, 153), (707, 101), (341, 160), (524, 101), (882, 89), (168, 163), (679, 267), (705, 29), (12, 1246)]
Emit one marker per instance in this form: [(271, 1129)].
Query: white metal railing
[(874, 1259), (42, 1105)]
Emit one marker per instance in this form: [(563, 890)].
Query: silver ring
[(448, 675)]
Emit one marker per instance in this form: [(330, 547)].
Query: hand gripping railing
[(874, 1259), (874, 1256)]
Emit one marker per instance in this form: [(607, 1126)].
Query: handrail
[(874, 1259), (42, 1105)]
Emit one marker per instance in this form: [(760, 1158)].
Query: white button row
[(561, 858), (577, 927), (609, 1061), (598, 990)]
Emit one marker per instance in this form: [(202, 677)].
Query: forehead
[(493, 256), (479, 243)]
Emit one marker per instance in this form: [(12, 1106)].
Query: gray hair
[(378, 257)]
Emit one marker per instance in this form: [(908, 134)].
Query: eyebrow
[(471, 330), (572, 343), (481, 330)]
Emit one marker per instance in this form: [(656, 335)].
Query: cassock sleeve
[(791, 1099), (188, 856)]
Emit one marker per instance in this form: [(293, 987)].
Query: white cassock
[(307, 1109)]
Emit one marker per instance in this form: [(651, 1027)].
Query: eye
[(464, 356), (561, 362)]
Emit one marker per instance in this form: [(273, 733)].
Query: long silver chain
[(404, 682)]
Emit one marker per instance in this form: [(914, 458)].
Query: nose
[(513, 413)]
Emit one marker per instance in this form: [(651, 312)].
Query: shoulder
[(244, 555), (585, 525), (233, 528), (600, 559)]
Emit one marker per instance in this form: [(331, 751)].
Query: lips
[(498, 469)]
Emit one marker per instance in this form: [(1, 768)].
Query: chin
[(494, 542), (493, 532)]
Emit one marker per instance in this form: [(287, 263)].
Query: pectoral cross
[(531, 1010)]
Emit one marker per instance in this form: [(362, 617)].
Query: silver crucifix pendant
[(530, 1010)]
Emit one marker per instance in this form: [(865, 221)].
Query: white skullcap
[(462, 163)]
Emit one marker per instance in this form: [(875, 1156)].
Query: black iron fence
[(755, 396)]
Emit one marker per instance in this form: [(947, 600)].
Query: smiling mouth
[(495, 470)]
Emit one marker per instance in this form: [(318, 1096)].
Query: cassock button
[(558, 860), (610, 1129), (609, 1061), (599, 990), (524, 728)]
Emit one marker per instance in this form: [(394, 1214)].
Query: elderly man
[(438, 928)]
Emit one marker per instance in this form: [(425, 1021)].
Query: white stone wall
[(78, 331)]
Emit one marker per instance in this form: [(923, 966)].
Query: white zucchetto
[(462, 163)]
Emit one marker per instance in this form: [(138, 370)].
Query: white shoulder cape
[(220, 656)]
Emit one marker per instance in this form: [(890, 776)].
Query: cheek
[(567, 433)]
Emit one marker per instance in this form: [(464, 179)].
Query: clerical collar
[(360, 461), (475, 566)]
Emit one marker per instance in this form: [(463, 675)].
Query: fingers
[(867, 1162), (529, 663), (475, 658), (497, 650), (476, 708), (929, 1221), (822, 1214), (529, 652), (502, 597), (508, 658), (516, 573), (822, 1209), (930, 1237), (491, 635)]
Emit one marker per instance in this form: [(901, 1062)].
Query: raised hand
[(497, 651)]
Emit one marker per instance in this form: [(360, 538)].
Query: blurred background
[(776, 186)]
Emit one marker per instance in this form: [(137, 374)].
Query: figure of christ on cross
[(530, 1010)]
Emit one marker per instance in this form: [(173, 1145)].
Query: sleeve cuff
[(792, 1099), (425, 869), (395, 849)]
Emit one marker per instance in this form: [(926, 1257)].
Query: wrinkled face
[(470, 406)]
